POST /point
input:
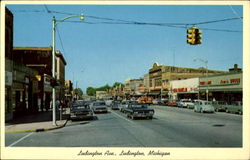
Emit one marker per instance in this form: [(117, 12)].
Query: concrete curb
[(39, 129)]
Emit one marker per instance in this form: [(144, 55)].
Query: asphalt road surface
[(170, 127)]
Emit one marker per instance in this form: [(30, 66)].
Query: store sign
[(180, 90), (230, 81), (184, 89), (205, 83), (8, 78), (225, 81)]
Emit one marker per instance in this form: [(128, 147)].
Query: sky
[(98, 53)]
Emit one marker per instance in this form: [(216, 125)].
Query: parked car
[(220, 106), (234, 107), (114, 105), (163, 102), (156, 101), (172, 103), (190, 104), (182, 103), (80, 111), (99, 107), (139, 111), (203, 106)]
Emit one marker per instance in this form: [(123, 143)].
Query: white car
[(203, 106), (183, 103)]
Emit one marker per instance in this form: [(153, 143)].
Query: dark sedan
[(78, 111), (139, 111), (99, 107)]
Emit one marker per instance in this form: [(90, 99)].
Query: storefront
[(184, 89), (223, 87), (24, 90)]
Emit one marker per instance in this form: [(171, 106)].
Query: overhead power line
[(60, 39), (120, 21)]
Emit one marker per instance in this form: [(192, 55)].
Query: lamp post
[(54, 23), (206, 62)]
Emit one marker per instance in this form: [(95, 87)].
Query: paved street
[(170, 127)]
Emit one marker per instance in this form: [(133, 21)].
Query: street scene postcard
[(131, 80)]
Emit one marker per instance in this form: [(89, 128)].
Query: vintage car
[(99, 107), (203, 106), (156, 101), (172, 103), (190, 104), (80, 111), (114, 105), (183, 103), (124, 104), (139, 110), (220, 106), (234, 107)]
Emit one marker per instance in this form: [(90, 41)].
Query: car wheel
[(216, 110), (202, 111), (240, 112), (227, 111)]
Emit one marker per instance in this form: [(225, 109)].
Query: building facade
[(133, 87), (8, 64), (40, 59), (184, 89), (68, 91), (161, 75), (60, 76), (223, 87), (102, 94)]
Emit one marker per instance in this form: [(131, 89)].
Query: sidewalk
[(38, 122)]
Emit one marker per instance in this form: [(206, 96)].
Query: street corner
[(42, 127)]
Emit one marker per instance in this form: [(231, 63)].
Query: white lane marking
[(20, 139), (122, 117)]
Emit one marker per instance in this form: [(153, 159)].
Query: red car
[(172, 103)]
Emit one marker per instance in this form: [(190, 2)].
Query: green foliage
[(91, 91), (118, 84), (78, 91)]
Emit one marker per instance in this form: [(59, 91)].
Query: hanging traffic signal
[(198, 36), (194, 36), (191, 36)]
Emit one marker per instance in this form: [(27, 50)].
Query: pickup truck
[(139, 111)]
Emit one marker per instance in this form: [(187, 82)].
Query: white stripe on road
[(122, 117), (20, 139)]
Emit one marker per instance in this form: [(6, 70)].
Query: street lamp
[(206, 62), (54, 23)]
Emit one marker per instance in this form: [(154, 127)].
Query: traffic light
[(194, 36), (191, 36), (198, 36)]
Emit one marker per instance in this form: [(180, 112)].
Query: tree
[(117, 84), (90, 91), (78, 91)]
